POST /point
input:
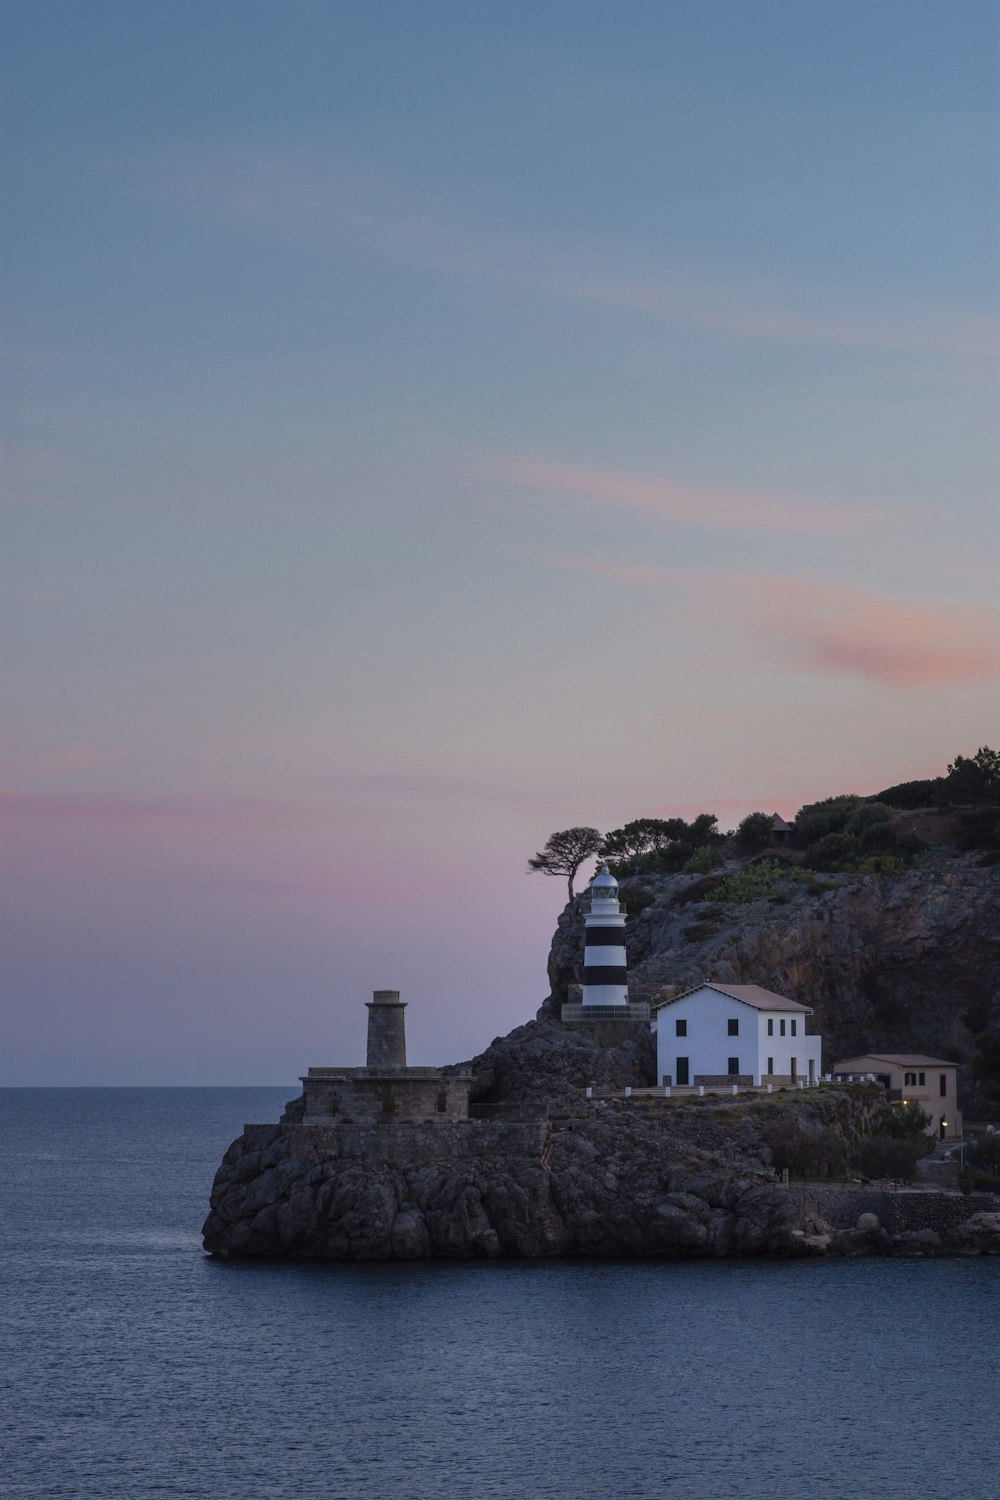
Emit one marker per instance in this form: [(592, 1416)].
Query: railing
[(635, 1010)]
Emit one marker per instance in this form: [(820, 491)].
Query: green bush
[(832, 850), (701, 861), (908, 1122), (817, 819), (884, 1156), (807, 1153), (699, 931), (754, 833), (751, 884), (869, 815), (635, 899), (984, 1153), (978, 828)]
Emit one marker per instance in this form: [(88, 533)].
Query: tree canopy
[(976, 778), (565, 852)]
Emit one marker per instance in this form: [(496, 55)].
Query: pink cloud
[(893, 642), (834, 628), (682, 504)]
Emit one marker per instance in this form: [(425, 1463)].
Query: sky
[(429, 426)]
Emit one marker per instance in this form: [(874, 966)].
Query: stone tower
[(605, 976), (386, 1031)]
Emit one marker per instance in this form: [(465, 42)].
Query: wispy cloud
[(831, 628), (666, 500), (161, 812), (893, 642), (322, 200)]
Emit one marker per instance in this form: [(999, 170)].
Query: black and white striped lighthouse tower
[(605, 974)]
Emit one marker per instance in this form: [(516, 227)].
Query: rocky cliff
[(615, 1177), (902, 961), (908, 961)]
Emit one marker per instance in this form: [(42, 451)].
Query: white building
[(734, 1033)]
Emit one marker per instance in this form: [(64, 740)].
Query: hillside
[(905, 959)]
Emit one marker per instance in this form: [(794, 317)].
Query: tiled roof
[(901, 1060), (749, 994)]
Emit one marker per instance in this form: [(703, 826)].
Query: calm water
[(132, 1365)]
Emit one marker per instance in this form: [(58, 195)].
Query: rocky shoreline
[(602, 1181)]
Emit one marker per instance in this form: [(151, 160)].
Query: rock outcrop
[(612, 1178), (908, 961)]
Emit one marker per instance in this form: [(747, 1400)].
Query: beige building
[(927, 1081)]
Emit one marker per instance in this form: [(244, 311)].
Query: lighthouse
[(605, 975)]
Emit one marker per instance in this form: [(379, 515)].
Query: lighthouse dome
[(604, 884)]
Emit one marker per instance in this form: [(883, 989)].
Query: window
[(794, 1024), (442, 1102), (734, 1028), (734, 1066), (682, 1028), (782, 1028), (770, 1026), (922, 1077), (770, 1065), (944, 1084), (909, 1080)]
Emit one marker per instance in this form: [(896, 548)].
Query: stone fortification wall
[(900, 1212), (413, 1094)]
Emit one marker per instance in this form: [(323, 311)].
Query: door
[(682, 1071), (812, 1070), (794, 1071)]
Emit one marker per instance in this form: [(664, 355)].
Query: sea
[(133, 1365)]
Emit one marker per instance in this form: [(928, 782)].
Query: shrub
[(832, 850), (978, 828), (817, 819), (915, 794), (751, 884), (754, 833), (976, 778), (635, 899), (701, 861), (885, 1156), (868, 815), (984, 1153), (908, 1122), (807, 1153)]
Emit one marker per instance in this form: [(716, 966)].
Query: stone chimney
[(386, 1031)]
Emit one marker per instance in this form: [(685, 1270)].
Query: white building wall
[(708, 1045), (795, 1044)]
